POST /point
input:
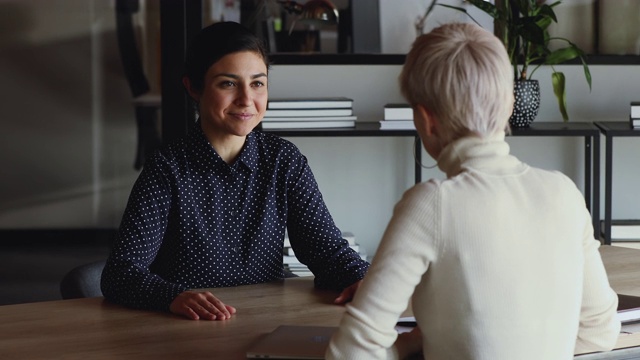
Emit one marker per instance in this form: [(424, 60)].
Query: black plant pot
[(527, 103)]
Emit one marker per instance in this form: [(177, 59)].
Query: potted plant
[(522, 25)]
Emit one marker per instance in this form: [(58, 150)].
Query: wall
[(68, 133), (68, 128)]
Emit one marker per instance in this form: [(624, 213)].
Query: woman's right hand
[(197, 305)]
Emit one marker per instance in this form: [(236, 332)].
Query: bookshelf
[(362, 129), (588, 130), (591, 134), (611, 130)]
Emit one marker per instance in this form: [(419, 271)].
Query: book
[(308, 118), (398, 112), (310, 103), (635, 109), (308, 124), (397, 125), (635, 122), (307, 112), (628, 308), (290, 259)]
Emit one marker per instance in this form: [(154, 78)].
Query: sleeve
[(599, 326), (315, 239), (367, 329), (126, 278)]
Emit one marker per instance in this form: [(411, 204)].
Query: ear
[(187, 85), (430, 122)]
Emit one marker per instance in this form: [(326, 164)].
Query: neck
[(227, 146)]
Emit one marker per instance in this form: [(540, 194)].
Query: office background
[(69, 136)]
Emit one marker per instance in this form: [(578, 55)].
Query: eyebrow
[(234, 76)]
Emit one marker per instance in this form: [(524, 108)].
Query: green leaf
[(487, 7), (587, 73), (530, 31), (561, 55), (558, 81), (547, 12)]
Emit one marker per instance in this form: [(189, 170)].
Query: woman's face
[(234, 95)]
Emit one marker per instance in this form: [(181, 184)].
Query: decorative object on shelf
[(622, 35), (527, 104), (522, 25), (313, 12)]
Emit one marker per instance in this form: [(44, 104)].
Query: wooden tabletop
[(94, 329), (623, 268)]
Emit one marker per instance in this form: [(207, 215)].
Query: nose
[(243, 97)]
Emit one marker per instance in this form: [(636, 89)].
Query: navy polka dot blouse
[(194, 221)]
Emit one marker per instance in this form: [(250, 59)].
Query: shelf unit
[(591, 134), (587, 130), (362, 129), (611, 130)]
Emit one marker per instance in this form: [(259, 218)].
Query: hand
[(347, 294), (197, 305), (409, 343)]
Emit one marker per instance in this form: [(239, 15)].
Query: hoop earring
[(415, 157)]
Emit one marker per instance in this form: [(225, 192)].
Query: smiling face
[(233, 99)]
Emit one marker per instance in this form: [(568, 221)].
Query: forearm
[(125, 284)]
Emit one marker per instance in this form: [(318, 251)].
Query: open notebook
[(293, 342)]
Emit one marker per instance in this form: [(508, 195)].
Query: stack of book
[(309, 113), (634, 116), (294, 265), (397, 117)]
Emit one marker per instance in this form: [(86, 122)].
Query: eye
[(227, 84), (258, 84)]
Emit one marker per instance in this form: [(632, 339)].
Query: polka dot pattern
[(527, 104), (194, 221)]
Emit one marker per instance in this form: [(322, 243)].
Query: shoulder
[(420, 195), (169, 156)]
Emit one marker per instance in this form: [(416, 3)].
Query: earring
[(415, 157)]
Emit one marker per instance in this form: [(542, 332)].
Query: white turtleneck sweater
[(499, 261)]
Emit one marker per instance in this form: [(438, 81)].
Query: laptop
[(293, 342)]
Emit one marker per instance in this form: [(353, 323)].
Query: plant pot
[(527, 103)]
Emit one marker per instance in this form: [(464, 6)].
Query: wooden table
[(94, 329)]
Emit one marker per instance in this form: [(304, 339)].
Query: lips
[(244, 116)]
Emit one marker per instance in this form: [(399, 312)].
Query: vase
[(527, 103)]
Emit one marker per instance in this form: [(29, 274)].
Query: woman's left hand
[(348, 293)]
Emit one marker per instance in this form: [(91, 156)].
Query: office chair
[(82, 281)]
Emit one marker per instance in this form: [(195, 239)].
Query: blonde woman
[(498, 260)]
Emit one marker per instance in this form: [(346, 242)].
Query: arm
[(367, 329), (315, 239), (599, 327), (126, 278)]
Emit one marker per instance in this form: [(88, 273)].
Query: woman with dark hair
[(211, 210)]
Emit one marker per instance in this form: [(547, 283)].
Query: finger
[(217, 307), (204, 313), (343, 297), (187, 312), (231, 309)]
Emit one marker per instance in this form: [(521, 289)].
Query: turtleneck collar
[(490, 154)]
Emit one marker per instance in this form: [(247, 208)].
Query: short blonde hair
[(462, 75)]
